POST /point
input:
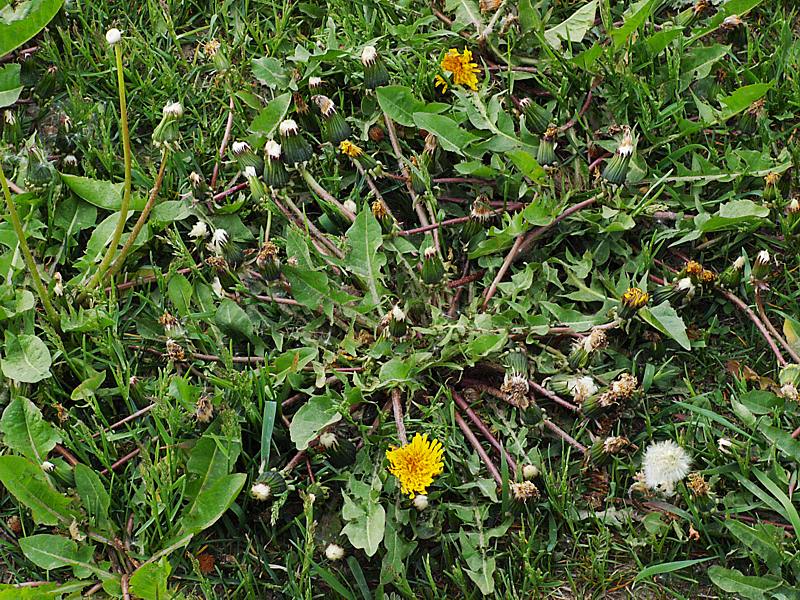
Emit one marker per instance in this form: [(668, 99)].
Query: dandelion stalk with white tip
[(99, 274), (27, 257)]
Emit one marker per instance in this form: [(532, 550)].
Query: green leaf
[(753, 588), (668, 567), (637, 14), (149, 582), (17, 30), (574, 28), (664, 318), (742, 98), (314, 416), (399, 103), (102, 194), (56, 551), (180, 291), (527, 165), (19, 302), (758, 540), (789, 510), (10, 87), (93, 494), (467, 12), (450, 134), (366, 524), (233, 321), (270, 71), (791, 331), (364, 260), (26, 432), (28, 484), (273, 113), (86, 389), (212, 502), (310, 288), (27, 359), (212, 458), (484, 344)]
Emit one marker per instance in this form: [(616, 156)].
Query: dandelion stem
[(30, 263), (137, 228), (223, 145), (397, 409), (763, 314), (325, 194), (478, 448), (756, 321), (484, 430), (554, 397), (126, 194), (564, 435), (374, 188), (313, 228)]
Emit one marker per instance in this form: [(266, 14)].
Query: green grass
[(284, 360)]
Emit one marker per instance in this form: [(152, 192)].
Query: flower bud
[(616, 170), (267, 260), (375, 73), (334, 128), (537, 117), (432, 266), (166, 135), (632, 300), (479, 217), (546, 154), (732, 275), (268, 485), (761, 267), (275, 174), (295, 148)]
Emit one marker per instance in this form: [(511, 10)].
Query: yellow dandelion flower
[(440, 81), (461, 66), (348, 148), (416, 464), (635, 298)]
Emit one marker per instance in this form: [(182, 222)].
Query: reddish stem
[(478, 448), (484, 430)]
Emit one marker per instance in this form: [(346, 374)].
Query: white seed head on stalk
[(420, 502), (334, 552), (113, 36), (173, 109), (273, 149), (288, 127), (368, 55)]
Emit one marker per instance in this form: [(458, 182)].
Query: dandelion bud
[(732, 275), (357, 154), (47, 466), (584, 348), (616, 170), (40, 174), (751, 118), (546, 154), (678, 292), (537, 117), (735, 28), (314, 83), (334, 128), (69, 163), (166, 135), (479, 216), (602, 450), (432, 266), (275, 174), (761, 267), (341, 452), (113, 36), (724, 445), (268, 485), (334, 552), (516, 363), (632, 300), (267, 260), (295, 148), (382, 215), (375, 73), (771, 180), (396, 322), (420, 502), (530, 471)]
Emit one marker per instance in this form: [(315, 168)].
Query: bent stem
[(126, 195), (137, 228), (13, 216), (325, 194)]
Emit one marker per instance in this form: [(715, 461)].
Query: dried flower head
[(615, 444), (416, 464), (698, 485), (731, 22), (581, 388), (315, 82), (175, 351), (288, 127), (789, 392), (168, 321), (524, 491), (204, 409), (325, 105), (625, 387), (516, 387), (369, 55), (211, 47)]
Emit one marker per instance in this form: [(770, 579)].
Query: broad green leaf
[(26, 432), (233, 321), (28, 484), (668, 567), (791, 331), (314, 416), (102, 194), (747, 586), (273, 113), (366, 524), (399, 103), (466, 12), (212, 502), (742, 98), (86, 389), (56, 551), (180, 291), (10, 87), (393, 568), (636, 16), (168, 212), (664, 318), (212, 457), (450, 134), (16, 30), (271, 72), (18, 302), (149, 582), (759, 541), (365, 260), (26, 359), (310, 288), (574, 28), (527, 165), (485, 344), (93, 494)]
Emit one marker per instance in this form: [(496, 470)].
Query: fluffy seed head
[(738, 264), (260, 491), (273, 149), (333, 552), (421, 502), (368, 55), (581, 388), (199, 230), (625, 147), (665, 464), (327, 440), (763, 258), (113, 36), (250, 171), (288, 127), (530, 471)]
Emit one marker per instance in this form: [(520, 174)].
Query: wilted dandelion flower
[(199, 230), (698, 485), (581, 388), (461, 66), (524, 491), (632, 300), (416, 464), (665, 464)]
